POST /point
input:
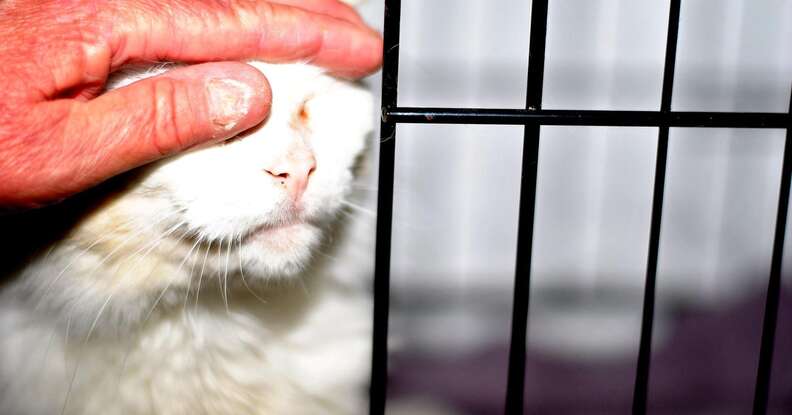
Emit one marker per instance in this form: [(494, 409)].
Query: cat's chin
[(285, 238), (281, 250)]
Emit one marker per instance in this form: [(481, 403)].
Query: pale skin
[(59, 135)]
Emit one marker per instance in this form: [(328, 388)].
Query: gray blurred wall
[(457, 187)]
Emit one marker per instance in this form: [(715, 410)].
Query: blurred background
[(457, 192)]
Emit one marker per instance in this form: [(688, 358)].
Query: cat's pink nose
[(293, 171)]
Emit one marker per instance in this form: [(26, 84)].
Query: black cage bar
[(532, 118)]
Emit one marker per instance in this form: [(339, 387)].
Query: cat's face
[(259, 201)]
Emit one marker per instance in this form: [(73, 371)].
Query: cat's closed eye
[(302, 115), (303, 112)]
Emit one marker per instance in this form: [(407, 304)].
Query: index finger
[(334, 8), (198, 31)]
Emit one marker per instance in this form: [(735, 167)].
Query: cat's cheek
[(326, 195)]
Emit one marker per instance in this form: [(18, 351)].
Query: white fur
[(198, 290)]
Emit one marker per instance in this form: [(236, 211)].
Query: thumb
[(162, 115), (137, 124)]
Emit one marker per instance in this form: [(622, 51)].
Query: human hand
[(59, 136)]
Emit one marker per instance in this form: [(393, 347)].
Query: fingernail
[(229, 102)]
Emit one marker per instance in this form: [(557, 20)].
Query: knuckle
[(168, 132)]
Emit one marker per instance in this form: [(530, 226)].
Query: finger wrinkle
[(166, 135)]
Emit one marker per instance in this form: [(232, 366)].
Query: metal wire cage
[(532, 117)]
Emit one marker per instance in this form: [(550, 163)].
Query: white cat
[(196, 287)]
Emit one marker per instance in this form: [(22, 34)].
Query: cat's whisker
[(116, 249), (326, 255), (359, 208), (129, 346), (332, 258), (168, 285), (71, 384), (127, 239), (388, 138), (119, 284), (49, 252), (363, 189), (98, 316), (359, 186), (48, 348), (66, 363), (192, 268), (200, 276), (304, 287), (101, 311), (123, 367), (154, 244), (74, 260), (242, 274), (156, 302), (66, 337), (345, 213), (225, 275)]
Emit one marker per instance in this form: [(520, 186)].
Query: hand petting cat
[(60, 134)]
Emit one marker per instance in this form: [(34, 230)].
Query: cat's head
[(266, 193), (255, 205)]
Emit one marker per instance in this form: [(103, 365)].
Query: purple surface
[(707, 365)]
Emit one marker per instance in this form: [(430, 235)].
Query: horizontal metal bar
[(414, 115)]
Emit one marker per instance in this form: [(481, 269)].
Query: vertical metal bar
[(640, 393), (530, 163), (390, 80), (762, 391)]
